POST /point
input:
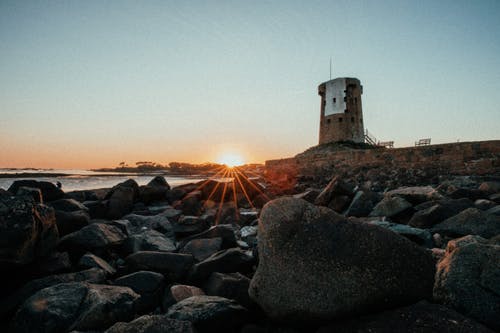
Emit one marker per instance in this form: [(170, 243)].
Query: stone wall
[(464, 158)]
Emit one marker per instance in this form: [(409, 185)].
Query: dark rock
[(191, 204), (68, 205), (149, 285), (225, 261), (391, 206), (249, 235), (27, 230), (343, 270), (173, 265), (148, 240), (50, 192), (495, 198), (55, 262), (210, 313), (336, 187), (202, 248), (90, 260), (97, 209), (418, 318), (177, 293), (152, 324), (156, 190), (471, 221), (490, 187), (484, 204), (189, 225), (129, 183), (11, 302), (224, 231), (310, 195), (339, 203), (468, 279), (361, 205), (420, 236), (121, 202), (75, 306), (439, 212), (494, 211), (68, 222), (231, 285), (96, 238), (82, 196), (35, 193), (159, 222), (416, 194)]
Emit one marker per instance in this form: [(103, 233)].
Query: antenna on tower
[(330, 68)]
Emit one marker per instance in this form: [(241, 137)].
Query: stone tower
[(341, 113)]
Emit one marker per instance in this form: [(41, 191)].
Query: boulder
[(55, 262), (97, 209), (230, 285), (468, 279), (27, 230), (391, 206), (152, 324), (35, 193), (309, 195), (96, 238), (148, 240), (210, 313), (11, 302), (334, 188), (202, 248), (494, 211), (314, 264), (438, 211), (417, 318), (189, 225), (416, 194), (156, 190), (68, 222), (149, 285), (484, 204), (177, 293), (90, 260), (75, 306), (361, 204), (159, 222), (224, 231), (50, 192), (471, 221), (191, 203), (225, 261), (490, 187), (420, 236), (173, 265), (120, 202), (68, 205)]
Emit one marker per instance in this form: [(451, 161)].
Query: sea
[(73, 180)]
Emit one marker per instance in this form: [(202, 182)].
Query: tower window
[(328, 121), (355, 99), (352, 119), (334, 100), (345, 111), (345, 99), (340, 120)]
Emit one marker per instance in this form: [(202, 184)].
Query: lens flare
[(231, 160)]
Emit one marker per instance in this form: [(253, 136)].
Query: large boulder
[(152, 324), (149, 285), (471, 221), (71, 221), (27, 230), (50, 192), (468, 279), (210, 313), (68, 205), (336, 187), (121, 202), (314, 264), (173, 265), (148, 240), (75, 306), (156, 190), (390, 207), (438, 212)]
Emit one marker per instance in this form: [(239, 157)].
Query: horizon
[(89, 85)]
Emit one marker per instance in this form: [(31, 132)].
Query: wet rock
[(149, 285), (333, 275), (90, 260), (471, 221), (173, 265), (50, 192), (418, 318), (152, 324), (225, 261), (68, 222), (75, 306), (202, 248), (391, 206), (230, 285), (148, 240), (210, 313), (468, 279), (27, 230), (178, 292)]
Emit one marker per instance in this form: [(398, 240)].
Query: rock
[(189, 225), (210, 313), (156, 190), (68, 222), (159, 222), (439, 212), (416, 194), (391, 206), (471, 221), (149, 285), (495, 198), (35, 193), (191, 204), (225, 261), (249, 235), (90, 260), (173, 265), (230, 285), (27, 230), (97, 209), (202, 248), (343, 270), (178, 292), (468, 279), (148, 240), (68, 205), (121, 202), (96, 238), (420, 236), (334, 188), (55, 262), (82, 196), (494, 211), (11, 302), (490, 187), (50, 192), (224, 231), (361, 205), (484, 204), (309, 195), (152, 324), (75, 306), (339, 203), (417, 318)]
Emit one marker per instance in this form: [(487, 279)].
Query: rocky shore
[(239, 257)]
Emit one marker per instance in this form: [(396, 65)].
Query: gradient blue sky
[(93, 83)]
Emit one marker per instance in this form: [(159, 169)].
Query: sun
[(231, 159)]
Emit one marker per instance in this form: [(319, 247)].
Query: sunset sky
[(88, 84)]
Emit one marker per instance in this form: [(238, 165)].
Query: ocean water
[(87, 180)]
